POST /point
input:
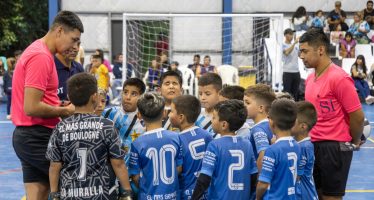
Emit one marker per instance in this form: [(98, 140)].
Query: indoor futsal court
[(360, 184)]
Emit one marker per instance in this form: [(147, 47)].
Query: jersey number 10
[(159, 163)]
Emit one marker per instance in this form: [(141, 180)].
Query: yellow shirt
[(102, 74)]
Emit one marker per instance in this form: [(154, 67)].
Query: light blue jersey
[(122, 122), (155, 155), (260, 137), (229, 161), (305, 187), (204, 121), (279, 169), (194, 142)]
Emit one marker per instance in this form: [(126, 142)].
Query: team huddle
[(157, 146)]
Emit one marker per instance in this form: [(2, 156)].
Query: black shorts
[(331, 167), (30, 144)]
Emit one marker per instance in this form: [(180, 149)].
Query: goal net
[(249, 42)]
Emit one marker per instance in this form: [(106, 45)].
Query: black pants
[(291, 83)]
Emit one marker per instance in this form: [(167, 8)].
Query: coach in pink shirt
[(340, 116), (35, 104)]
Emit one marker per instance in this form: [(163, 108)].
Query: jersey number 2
[(157, 157), (235, 166), (292, 156)]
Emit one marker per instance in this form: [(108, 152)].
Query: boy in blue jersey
[(258, 99), (281, 160), (156, 155), (171, 87), (125, 117), (306, 119), (184, 111), (209, 86), (229, 167), (85, 148)]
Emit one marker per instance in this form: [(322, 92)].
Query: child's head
[(360, 60), (96, 60), (151, 107), (286, 95), (101, 102), (282, 115), (231, 92), (164, 56), (338, 27), (209, 86), (184, 109), (82, 90), (174, 66), (348, 36), (258, 99), (156, 63), (306, 119), (228, 116), (131, 91), (171, 85), (319, 13)]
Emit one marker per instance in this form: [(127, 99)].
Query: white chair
[(347, 64), (363, 49), (188, 78), (229, 74)]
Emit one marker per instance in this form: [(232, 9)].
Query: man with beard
[(369, 13), (66, 67)]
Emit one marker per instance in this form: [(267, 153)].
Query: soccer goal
[(240, 40)]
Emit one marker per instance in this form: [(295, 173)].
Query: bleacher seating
[(229, 74)]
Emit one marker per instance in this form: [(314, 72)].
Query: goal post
[(239, 40)]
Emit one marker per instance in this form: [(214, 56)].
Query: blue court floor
[(360, 183)]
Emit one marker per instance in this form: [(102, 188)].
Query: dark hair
[(369, 2), (348, 34), (189, 106), (318, 11), (361, 57), (207, 56), (306, 113), (196, 56), (283, 112), (171, 73), (261, 93), (117, 56), (101, 53), (80, 88), (315, 37), (151, 106), (233, 112), (68, 20), (17, 53), (232, 92), (300, 11), (211, 79), (95, 56), (135, 82)]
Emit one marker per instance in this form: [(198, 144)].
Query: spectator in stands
[(196, 63), (337, 16), (8, 75), (66, 67), (337, 34), (291, 74), (369, 13), (318, 20), (106, 62), (88, 66), (17, 54), (299, 19), (347, 46), (359, 75), (3, 65), (80, 56), (101, 73), (174, 67), (154, 74), (206, 67), (164, 60), (359, 29)]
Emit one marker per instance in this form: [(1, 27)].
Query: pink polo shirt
[(334, 96), (35, 69)]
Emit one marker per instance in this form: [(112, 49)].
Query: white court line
[(366, 147)]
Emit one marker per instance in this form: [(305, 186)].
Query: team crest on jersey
[(134, 135)]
